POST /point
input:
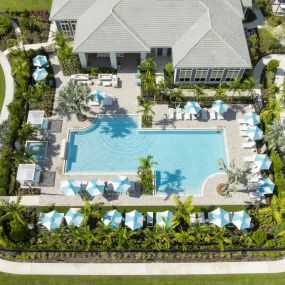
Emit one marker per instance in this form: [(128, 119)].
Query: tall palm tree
[(236, 176), (249, 85), (145, 173), (147, 113), (275, 136), (183, 210), (61, 40), (75, 98)]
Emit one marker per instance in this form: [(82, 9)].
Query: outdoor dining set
[(193, 111), (40, 62)]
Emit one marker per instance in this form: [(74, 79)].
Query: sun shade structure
[(70, 187), (40, 74), (241, 220), (254, 133), (134, 220), (192, 108), (99, 95), (219, 107), (40, 60), (28, 173), (219, 217), (51, 220), (164, 219), (37, 118), (262, 161), (265, 186), (95, 187), (251, 118), (121, 184), (74, 217), (112, 218)]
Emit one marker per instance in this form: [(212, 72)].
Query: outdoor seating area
[(193, 111)]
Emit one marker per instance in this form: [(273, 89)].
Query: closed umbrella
[(219, 107), (70, 187), (241, 220), (251, 118), (219, 217), (265, 186), (74, 217), (40, 74), (164, 219), (254, 133), (112, 218), (134, 220), (40, 60), (262, 161), (192, 108), (95, 187)]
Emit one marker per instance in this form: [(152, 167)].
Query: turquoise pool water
[(38, 149), (114, 143)]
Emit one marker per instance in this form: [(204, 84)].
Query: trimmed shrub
[(272, 65), (276, 161)]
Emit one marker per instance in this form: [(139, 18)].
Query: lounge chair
[(254, 179), (243, 133), (193, 218), (241, 121), (263, 149), (243, 128), (187, 116), (195, 117), (248, 158), (213, 115), (149, 219), (170, 113), (179, 114), (250, 144), (256, 197), (255, 170)]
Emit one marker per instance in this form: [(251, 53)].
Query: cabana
[(29, 174), (37, 118)]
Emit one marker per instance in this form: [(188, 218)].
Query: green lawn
[(2, 87), (20, 5), (257, 279)]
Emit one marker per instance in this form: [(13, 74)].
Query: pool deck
[(126, 103)]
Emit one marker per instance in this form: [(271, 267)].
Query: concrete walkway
[(259, 21), (142, 268)]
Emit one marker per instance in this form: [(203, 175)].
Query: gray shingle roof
[(68, 9), (201, 32)]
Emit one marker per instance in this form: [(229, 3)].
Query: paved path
[(260, 20), (9, 91), (142, 268)]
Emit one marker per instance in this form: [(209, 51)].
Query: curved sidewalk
[(142, 268)]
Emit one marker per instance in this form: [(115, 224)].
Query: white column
[(113, 59), (164, 52), (83, 59), (143, 55)]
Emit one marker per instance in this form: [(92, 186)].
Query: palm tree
[(147, 113), (22, 157), (26, 132), (275, 136), (61, 40), (235, 86), (220, 91), (13, 212), (183, 210), (249, 85), (75, 98), (92, 213), (184, 238), (199, 90), (236, 177), (176, 96), (145, 173)]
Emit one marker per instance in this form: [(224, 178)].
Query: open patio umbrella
[(219, 217), (112, 218), (251, 118), (52, 220), (73, 217), (40, 60), (164, 219), (265, 186), (241, 220), (254, 133), (95, 187), (262, 161), (192, 108), (40, 74), (219, 107), (99, 95), (70, 187), (134, 220), (121, 184)]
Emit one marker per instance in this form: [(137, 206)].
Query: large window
[(65, 27), (216, 75), (201, 75), (232, 73), (185, 75)]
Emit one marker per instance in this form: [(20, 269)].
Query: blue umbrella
[(40, 74), (70, 187), (251, 118), (254, 133), (192, 107), (121, 184), (51, 220), (40, 60), (112, 218), (164, 219), (219, 217), (262, 161), (265, 186), (100, 95), (241, 220), (134, 220), (95, 187), (73, 217), (219, 107)]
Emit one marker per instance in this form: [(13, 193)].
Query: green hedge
[(71, 65)]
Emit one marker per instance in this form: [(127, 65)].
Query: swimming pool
[(114, 143)]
